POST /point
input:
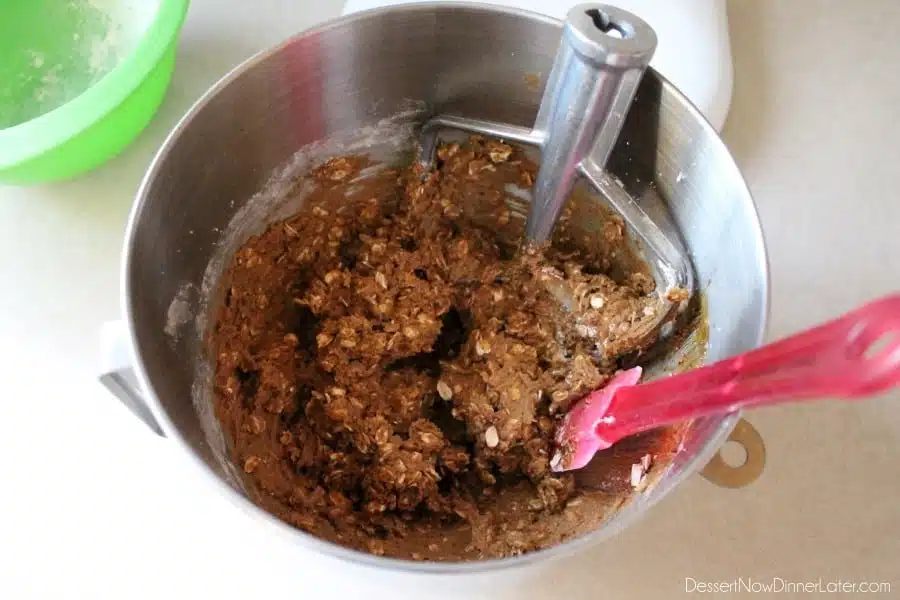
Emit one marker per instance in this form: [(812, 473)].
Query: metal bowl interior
[(366, 82)]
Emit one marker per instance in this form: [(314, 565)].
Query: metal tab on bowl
[(719, 472)]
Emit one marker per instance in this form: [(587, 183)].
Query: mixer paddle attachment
[(601, 58)]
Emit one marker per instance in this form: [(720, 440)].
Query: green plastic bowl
[(79, 80)]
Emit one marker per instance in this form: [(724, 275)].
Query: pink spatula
[(854, 356)]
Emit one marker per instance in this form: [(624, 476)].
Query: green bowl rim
[(32, 138)]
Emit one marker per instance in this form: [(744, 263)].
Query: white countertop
[(95, 506)]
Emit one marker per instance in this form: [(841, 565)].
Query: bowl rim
[(31, 138), (290, 535)]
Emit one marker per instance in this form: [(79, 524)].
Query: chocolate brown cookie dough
[(390, 366)]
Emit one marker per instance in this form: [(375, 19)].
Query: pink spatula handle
[(853, 356)]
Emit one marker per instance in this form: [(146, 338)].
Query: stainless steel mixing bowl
[(365, 82)]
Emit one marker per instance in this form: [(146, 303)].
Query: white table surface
[(94, 506)]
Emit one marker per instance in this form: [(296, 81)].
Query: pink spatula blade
[(577, 438)]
